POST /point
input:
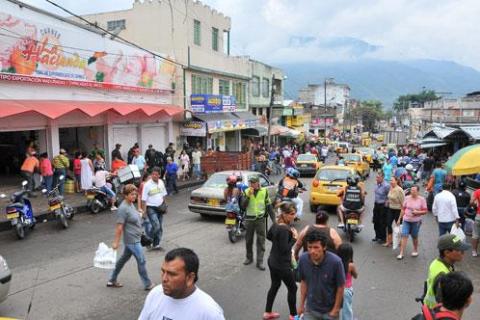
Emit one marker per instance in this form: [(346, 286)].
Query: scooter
[(57, 205), (20, 212), (352, 220)]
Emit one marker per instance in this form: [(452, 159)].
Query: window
[(196, 32), (266, 88), (116, 24), (255, 86), (202, 84), (215, 39), (239, 91), (224, 87)]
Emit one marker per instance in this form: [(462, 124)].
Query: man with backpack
[(451, 249), (454, 290)]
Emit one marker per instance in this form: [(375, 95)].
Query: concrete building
[(261, 87), (198, 37), (65, 85), (337, 96)]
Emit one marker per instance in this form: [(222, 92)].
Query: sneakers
[(270, 315), (474, 254), (400, 257), (247, 261), (113, 208), (414, 254)]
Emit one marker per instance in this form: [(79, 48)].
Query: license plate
[(303, 165), (230, 222), (213, 202), (13, 215), (54, 207), (352, 221), (90, 196)]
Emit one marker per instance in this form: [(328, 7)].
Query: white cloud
[(402, 29)]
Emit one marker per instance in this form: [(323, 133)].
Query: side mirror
[(24, 183), (3, 196), (44, 191), (62, 177)]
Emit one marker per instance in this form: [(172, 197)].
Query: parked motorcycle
[(97, 200), (352, 220), (20, 212), (56, 205)]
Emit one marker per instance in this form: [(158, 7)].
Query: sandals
[(414, 254), (114, 284), (400, 257)]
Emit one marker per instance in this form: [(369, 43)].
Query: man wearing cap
[(259, 206), (116, 152), (61, 164), (451, 249)]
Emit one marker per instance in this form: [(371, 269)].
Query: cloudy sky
[(338, 30)]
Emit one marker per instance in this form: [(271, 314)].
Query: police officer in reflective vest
[(353, 197), (258, 208)]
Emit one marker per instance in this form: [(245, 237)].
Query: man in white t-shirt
[(153, 195), (196, 156), (178, 298), (101, 182)]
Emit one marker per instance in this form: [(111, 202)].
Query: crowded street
[(53, 270)]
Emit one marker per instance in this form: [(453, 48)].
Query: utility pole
[(327, 80), (270, 111)]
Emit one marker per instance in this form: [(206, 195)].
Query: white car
[(5, 278)]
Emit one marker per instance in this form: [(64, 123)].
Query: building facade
[(198, 38)]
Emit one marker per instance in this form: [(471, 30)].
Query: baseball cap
[(452, 242), (63, 151), (253, 179)]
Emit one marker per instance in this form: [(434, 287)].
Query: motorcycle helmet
[(231, 180), (352, 181), (462, 184), (409, 167), (295, 174)]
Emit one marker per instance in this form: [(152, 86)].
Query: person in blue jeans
[(153, 196), (171, 176), (129, 223)]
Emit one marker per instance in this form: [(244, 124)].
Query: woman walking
[(283, 236), (86, 172), (129, 223), (345, 252), (396, 196), (185, 162), (414, 207)]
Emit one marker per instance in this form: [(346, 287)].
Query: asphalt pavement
[(53, 271)]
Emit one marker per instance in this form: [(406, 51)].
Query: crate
[(128, 173)]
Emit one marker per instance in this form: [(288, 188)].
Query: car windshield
[(352, 157), (306, 157), (332, 174), (217, 180), (366, 150)]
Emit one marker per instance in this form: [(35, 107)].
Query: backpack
[(434, 314)]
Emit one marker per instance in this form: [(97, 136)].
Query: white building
[(198, 37)]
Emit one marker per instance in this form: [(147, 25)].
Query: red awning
[(54, 109)]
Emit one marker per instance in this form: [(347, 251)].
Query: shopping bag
[(458, 232), (105, 257), (396, 237)]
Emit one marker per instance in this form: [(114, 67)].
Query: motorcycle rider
[(289, 187), (353, 199), (231, 194), (408, 177), (100, 179)]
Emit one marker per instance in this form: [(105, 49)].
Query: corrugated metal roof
[(472, 131), (443, 132)]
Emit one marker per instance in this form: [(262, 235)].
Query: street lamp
[(325, 113)]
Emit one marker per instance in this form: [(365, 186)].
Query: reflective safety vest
[(437, 267), (353, 198), (257, 204)]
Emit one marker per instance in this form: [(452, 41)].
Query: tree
[(370, 111), (405, 101)]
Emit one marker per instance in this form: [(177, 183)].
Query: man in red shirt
[(475, 201)]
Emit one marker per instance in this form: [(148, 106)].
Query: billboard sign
[(209, 103)]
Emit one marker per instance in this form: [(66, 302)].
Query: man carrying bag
[(258, 208), (154, 205)]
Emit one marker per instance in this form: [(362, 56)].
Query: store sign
[(43, 50), (209, 103), (230, 125), (193, 129), (320, 122)]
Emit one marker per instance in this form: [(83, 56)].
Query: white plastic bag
[(458, 232), (105, 257), (396, 237)]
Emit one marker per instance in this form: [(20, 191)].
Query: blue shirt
[(400, 171), (439, 176), (171, 168), (381, 192), (387, 171), (139, 162), (394, 161), (322, 281)]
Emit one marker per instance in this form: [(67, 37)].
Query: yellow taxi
[(308, 163), (341, 147), (356, 161), (328, 181), (367, 154)]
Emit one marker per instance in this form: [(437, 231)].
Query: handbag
[(145, 240), (162, 209)]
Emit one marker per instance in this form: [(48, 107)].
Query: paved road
[(53, 270)]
